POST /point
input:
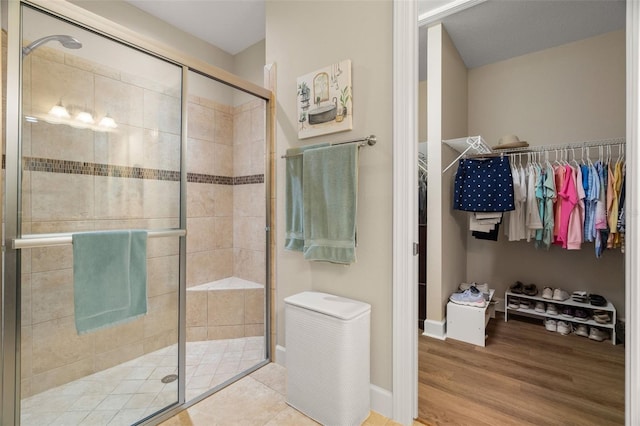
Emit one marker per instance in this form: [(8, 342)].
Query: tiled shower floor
[(133, 390)]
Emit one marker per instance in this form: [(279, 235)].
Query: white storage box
[(327, 343)]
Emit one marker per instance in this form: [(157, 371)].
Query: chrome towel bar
[(61, 239)]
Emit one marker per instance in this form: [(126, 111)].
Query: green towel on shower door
[(109, 278), (330, 192), (294, 214)]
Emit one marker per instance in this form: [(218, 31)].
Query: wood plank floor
[(525, 375)]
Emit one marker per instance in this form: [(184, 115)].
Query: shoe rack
[(611, 326)]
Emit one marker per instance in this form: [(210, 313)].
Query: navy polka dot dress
[(484, 185)]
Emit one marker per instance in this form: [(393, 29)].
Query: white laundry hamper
[(328, 351)]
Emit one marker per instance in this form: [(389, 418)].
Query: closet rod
[(65, 238), (369, 140), (574, 145)]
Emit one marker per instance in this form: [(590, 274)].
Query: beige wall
[(302, 37), (446, 239), (147, 25), (422, 111), (249, 64), (454, 125), (570, 93)]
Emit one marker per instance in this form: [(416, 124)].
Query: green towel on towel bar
[(109, 278), (294, 213), (330, 192)]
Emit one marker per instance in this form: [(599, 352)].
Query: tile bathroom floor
[(133, 390), (255, 400)]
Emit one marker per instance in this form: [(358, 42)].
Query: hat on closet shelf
[(510, 141)]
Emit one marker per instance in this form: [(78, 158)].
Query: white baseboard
[(381, 400), (281, 355), (435, 329)]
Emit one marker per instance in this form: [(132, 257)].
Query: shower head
[(66, 41)]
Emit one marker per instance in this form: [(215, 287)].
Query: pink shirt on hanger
[(569, 198), (575, 233)]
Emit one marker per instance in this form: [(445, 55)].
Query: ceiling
[(491, 31), (497, 29), (231, 25)]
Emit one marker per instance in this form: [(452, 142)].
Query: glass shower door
[(226, 298), (100, 151)]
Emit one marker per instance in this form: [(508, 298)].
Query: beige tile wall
[(225, 222), (148, 135), (249, 204)]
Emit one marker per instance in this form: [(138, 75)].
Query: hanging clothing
[(568, 199), (559, 172), (550, 200), (591, 198), (540, 178), (621, 215), (612, 217), (484, 185), (576, 218), (533, 220), (422, 201), (600, 226), (561, 204), (516, 218)]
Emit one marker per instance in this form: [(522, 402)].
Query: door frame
[(405, 62)]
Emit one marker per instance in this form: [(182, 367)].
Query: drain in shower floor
[(169, 378)]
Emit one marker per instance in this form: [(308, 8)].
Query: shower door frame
[(11, 314)]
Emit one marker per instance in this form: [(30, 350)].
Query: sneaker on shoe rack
[(581, 314), (526, 304), (470, 297), (564, 328), (465, 286), (552, 309), (530, 290), (582, 330), (484, 287), (560, 295), (547, 293), (514, 302), (550, 324), (597, 300), (567, 311), (598, 335), (580, 296), (516, 287), (601, 317), (540, 307)]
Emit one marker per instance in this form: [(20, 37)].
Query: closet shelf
[(468, 145)]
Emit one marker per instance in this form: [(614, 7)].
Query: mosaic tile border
[(49, 165)]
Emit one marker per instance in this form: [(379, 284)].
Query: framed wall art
[(324, 101)]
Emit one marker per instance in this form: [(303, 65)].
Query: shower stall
[(106, 131)]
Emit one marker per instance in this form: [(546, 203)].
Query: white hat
[(510, 141)]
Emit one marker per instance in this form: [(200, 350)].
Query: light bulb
[(59, 111), (108, 122), (85, 117)]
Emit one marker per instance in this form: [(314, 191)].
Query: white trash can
[(327, 357)]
